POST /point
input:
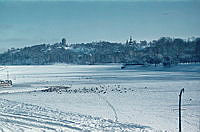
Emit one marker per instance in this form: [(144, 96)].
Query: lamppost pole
[(182, 91)]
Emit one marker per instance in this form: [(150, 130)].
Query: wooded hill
[(164, 51)]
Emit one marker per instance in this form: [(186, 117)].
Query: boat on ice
[(131, 64), (6, 83)]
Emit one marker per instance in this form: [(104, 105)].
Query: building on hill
[(130, 41), (63, 41)]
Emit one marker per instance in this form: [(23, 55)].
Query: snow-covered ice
[(100, 98)]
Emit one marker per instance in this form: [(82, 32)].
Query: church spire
[(131, 40)]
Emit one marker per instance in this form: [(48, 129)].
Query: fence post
[(182, 91)]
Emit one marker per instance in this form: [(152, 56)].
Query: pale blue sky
[(28, 23)]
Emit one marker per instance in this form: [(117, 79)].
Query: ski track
[(111, 106), (20, 117)]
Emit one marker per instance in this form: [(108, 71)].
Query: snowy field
[(100, 98)]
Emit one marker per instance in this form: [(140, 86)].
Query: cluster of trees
[(164, 51), (173, 51)]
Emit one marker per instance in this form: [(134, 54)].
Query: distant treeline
[(166, 51)]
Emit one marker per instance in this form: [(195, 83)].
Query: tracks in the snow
[(19, 117), (36, 122)]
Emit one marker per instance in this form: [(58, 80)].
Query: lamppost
[(182, 91)]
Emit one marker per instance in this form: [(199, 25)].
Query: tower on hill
[(63, 41), (130, 41)]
